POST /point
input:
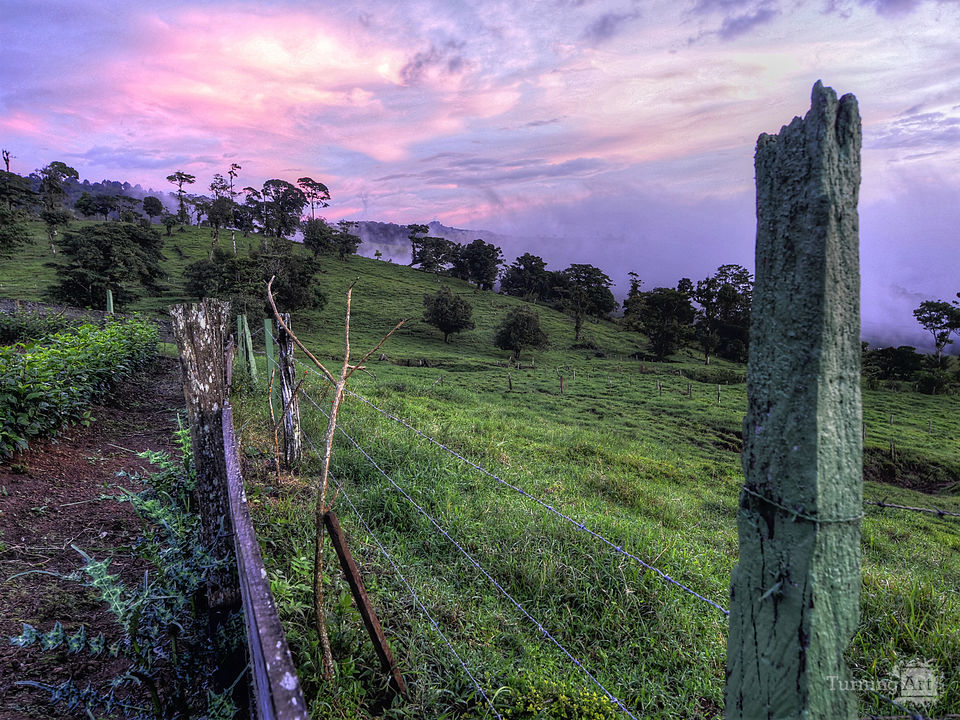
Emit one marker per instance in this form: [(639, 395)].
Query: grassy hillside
[(624, 449)]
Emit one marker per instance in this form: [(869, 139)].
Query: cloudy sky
[(622, 130)]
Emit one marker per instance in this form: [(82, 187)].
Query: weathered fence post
[(109, 301), (795, 592), (292, 442), (200, 331)]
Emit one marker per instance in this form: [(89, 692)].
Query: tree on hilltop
[(528, 278), (664, 315), (940, 319), (180, 178), (447, 312), (315, 192), (152, 206), (585, 291), (722, 323)]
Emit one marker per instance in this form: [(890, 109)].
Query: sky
[(619, 132)]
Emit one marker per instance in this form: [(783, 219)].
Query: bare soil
[(50, 499)]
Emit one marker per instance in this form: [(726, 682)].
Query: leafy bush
[(45, 389), (23, 325)]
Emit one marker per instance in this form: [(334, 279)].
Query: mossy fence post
[(795, 592), (200, 331), (292, 442)]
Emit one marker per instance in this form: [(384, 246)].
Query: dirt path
[(50, 499)]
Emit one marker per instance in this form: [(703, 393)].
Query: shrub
[(49, 387)]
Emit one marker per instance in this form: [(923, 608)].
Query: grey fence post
[(292, 443), (247, 342), (795, 592)]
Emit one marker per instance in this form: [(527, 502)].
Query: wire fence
[(473, 561), (343, 493), (546, 635)]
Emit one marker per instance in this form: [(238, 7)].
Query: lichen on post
[(200, 330), (795, 592)]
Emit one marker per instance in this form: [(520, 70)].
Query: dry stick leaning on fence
[(321, 506)]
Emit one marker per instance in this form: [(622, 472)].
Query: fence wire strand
[(580, 526), (396, 569), (546, 633)]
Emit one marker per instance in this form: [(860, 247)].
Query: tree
[(52, 178), (723, 318), (585, 291), (940, 319), (282, 205), (345, 242), (317, 237), (315, 192), (15, 200), (415, 233), (7, 157), (434, 253), (519, 329), (180, 178), (447, 312), (664, 315), (152, 206), (528, 278), (234, 221), (126, 207), (483, 262), (169, 221), (116, 256)]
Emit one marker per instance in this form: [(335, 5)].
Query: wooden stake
[(367, 613)]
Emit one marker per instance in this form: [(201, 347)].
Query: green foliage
[(528, 278), (23, 325), (317, 237), (941, 320), (520, 329), (242, 279), (152, 206), (180, 178), (584, 290), (165, 645), (447, 312), (120, 257), (45, 388), (664, 315), (723, 317)]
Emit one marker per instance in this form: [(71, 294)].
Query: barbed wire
[(580, 526), (933, 511), (546, 633), (413, 594)]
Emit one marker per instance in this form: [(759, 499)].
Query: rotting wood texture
[(795, 592), (200, 330)]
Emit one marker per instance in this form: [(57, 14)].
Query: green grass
[(657, 473)]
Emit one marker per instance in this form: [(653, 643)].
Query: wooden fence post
[(271, 363), (200, 331), (242, 355), (292, 442), (109, 301), (795, 592)]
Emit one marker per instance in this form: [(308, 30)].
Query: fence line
[(580, 526), (276, 689), (493, 581), (413, 594)]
